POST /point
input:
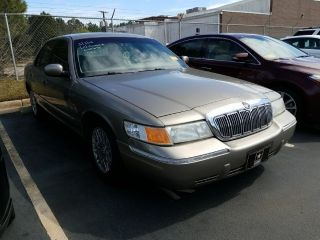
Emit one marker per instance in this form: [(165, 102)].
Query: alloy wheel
[(33, 103), (290, 103), (101, 149)]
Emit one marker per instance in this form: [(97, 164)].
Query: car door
[(37, 75), (193, 49), (57, 88), (220, 58)]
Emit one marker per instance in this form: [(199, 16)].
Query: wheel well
[(292, 88), (89, 119)]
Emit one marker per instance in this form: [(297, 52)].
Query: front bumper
[(9, 214), (194, 164)]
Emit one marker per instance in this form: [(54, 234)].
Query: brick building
[(277, 18), (273, 17)]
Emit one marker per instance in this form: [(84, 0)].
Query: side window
[(317, 43), (192, 49), (313, 43), (293, 42), (59, 53), (222, 50), (44, 55), (305, 43), (310, 43)]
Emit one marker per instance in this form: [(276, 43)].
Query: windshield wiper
[(115, 73), (108, 73), (303, 56), (281, 59), (153, 69)]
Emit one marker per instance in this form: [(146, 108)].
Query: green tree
[(74, 25), (41, 29), (92, 27), (13, 6)]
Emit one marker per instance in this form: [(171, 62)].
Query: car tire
[(292, 102), (37, 110), (103, 150)]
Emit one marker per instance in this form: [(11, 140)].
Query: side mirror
[(185, 59), (55, 70), (241, 57)]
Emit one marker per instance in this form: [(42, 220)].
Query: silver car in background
[(138, 104), (309, 44)]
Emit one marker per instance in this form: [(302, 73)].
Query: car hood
[(171, 91), (305, 64)]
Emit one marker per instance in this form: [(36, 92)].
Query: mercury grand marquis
[(138, 104)]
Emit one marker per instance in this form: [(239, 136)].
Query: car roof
[(301, 36), (308, 29), (77, 36), (225, 35)]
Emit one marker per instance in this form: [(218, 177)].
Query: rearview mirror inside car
[(55, 70), (185, 59)]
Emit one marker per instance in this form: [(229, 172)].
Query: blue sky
[(127, 9)]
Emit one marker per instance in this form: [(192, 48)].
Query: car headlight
[(189, 132), (278, 107), (168, 135), (315, 77)]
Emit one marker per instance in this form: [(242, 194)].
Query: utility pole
[(104, 19), (114, 10)]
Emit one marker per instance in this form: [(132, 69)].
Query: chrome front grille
[(242, 122)]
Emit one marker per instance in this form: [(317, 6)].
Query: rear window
[(304, 32)]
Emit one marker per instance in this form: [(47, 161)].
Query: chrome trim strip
[(238, 106), (226, 111), (182, 161)]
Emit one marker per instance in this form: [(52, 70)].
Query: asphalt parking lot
[(277, 200)]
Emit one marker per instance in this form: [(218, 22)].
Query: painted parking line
[(47, 218)]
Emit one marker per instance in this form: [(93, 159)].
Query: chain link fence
[(22, 35)]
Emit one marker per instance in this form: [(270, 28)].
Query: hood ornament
[(246, 105)]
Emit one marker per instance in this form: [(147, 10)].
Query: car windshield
[(116, 55), (272, 49)]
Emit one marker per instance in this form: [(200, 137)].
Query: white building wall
[(155, 30), (173, 31), (134, 28), (206, 24)]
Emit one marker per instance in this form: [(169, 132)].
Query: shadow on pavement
[(84, 203), (306, 134)]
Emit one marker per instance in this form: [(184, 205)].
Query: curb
[(14, 106)]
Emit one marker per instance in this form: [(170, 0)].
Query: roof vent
[(196, 9)]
